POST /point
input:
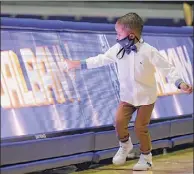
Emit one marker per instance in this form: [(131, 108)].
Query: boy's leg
[(141, 129), (123, 116)]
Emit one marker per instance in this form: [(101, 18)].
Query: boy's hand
[(186, 88), (71, 64)]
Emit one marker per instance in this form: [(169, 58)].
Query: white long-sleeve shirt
[(136, 72)]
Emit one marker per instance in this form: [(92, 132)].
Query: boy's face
[(122, 32)]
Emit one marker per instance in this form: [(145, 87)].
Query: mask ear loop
[(122, 49), (139, 40)]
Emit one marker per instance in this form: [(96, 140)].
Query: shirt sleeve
[(102, 59), (166, 68)]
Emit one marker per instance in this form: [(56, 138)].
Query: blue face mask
[(128, 45)]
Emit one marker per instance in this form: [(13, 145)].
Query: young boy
[(136, 61)]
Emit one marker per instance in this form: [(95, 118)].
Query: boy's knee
[(141, 129)]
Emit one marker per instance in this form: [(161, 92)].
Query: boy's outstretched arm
[(94, 62), (168, 70)]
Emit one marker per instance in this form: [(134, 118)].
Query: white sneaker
[(144, 163), (121, 155)]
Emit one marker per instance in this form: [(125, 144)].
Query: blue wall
[(39, 97)]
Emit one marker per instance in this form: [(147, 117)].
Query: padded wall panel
[(159, 130), (108, 139), (181, 127), (182, 140), (46, 148), (47, 164), (101, 142), (161, 144)]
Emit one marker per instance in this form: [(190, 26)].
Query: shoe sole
[(143, 170), (149, 168)]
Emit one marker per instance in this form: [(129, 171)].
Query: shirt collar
[(138, 44)]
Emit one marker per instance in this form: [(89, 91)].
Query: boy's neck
[(137, 39)]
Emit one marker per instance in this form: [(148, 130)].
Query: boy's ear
[(132, 36)]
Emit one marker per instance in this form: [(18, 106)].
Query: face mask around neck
[(127, 45)]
